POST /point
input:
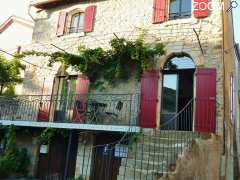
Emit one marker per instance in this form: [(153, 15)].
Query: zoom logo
[(202, 6)]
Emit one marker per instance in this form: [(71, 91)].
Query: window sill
[(173, 22), (74, 35)]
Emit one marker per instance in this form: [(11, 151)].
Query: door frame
[(177, 71)]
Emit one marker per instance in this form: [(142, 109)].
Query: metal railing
[(139, 156), (75, 30), (179, 15), (147, 155), (181, 121), (109, 109), (154, 154)]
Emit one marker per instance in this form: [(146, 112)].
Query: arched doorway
[(177, 93)]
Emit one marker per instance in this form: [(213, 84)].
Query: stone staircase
[(154, 154)]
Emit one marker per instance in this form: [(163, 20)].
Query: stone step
[(144, 164), (144, 155), (157, 148), (169, 158), (137, 177), (171, 133), (163, 140), (137, 174), (125, 178)]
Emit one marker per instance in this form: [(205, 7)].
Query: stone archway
[(177, 91)]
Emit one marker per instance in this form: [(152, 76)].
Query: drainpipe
[(224, 96)]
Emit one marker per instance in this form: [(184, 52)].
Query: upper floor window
[(77, 22), (179, 9)]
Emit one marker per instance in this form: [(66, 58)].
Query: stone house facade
[(189, 35)]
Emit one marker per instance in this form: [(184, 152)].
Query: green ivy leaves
[(123, 59)]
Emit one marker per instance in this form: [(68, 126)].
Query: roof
[(44, 4), (14, 18)]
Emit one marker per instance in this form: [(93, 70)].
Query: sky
[(236, 16), (13, 7)]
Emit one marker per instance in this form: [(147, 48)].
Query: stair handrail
[(178, 114)]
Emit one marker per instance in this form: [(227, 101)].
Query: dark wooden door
[(53, 163), (205, 102), (105, 164)]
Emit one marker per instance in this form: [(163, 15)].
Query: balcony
[(91, 111)]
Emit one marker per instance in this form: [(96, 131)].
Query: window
[(179, 9), (77, 22), (179, 62)]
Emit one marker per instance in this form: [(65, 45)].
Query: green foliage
[(10, 91), (9, 73), (113, 65), (13, 161), (133, 138), (47, 135), (78, 178)]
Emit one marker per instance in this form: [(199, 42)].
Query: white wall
[(15, 35)]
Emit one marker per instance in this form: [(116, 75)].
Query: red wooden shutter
[(205, 102), (80, 107), (89, 18), (159, 7), (200, 8), (149, 99), (61, 23)]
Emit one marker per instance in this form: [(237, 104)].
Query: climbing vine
[(134, 138), (115, 64), (47, 135)]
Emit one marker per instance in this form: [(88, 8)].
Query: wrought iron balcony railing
[(109, 109)]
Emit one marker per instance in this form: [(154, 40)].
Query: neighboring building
[(15, 32), (172, 107)]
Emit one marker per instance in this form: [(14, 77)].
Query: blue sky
[(13, 7), (236, 16)]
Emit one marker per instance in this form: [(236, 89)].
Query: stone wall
[(128, 19), (84, 155), (201, 162)]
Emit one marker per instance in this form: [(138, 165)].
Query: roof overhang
[(44, 4), (12, 19)]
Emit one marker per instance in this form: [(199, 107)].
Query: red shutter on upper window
[(82, 84), (61, 23), (89, 18), (200, 8), (205, 102), (159, 7), (149, 99)]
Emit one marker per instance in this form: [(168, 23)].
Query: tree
[(9, 73)]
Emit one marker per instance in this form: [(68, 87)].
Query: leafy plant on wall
[(112, 65), (48, 134)]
